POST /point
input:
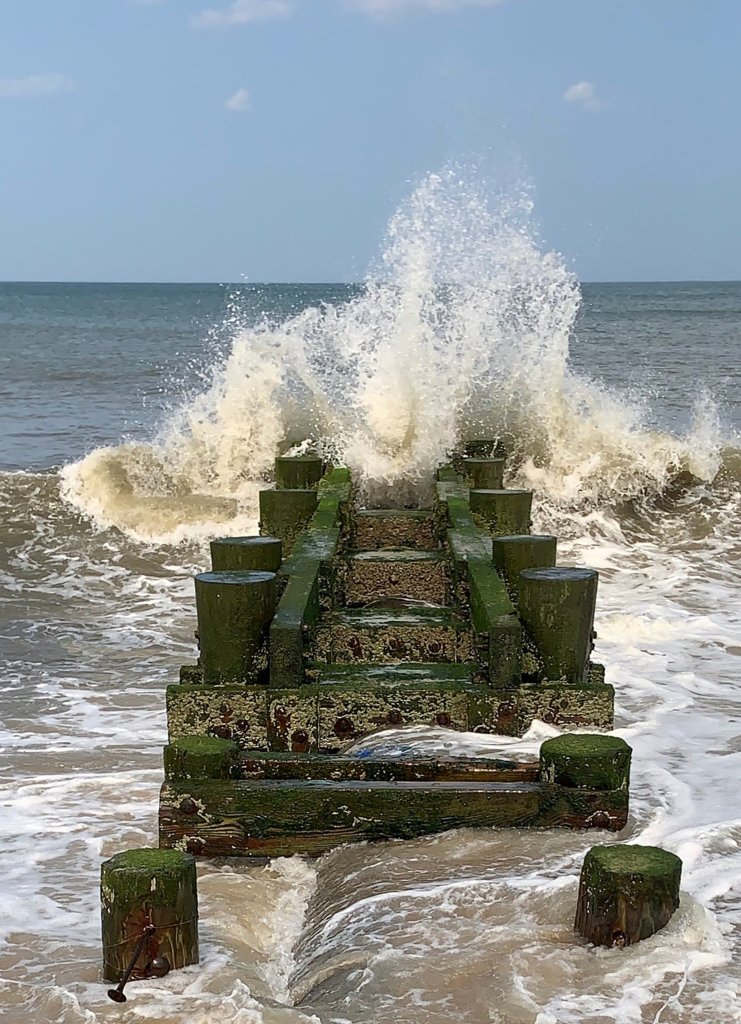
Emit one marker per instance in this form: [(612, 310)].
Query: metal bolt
[(394, 718), (343, 726), (618, 939), (223, 732), (188, 806), (435, 647), (158, 967), (242, 724), (443, 719), (117, 994)]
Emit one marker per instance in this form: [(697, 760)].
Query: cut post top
[(586, 761), (629, 859), (235, 578), (559, 574), (147, 860), (298, 471)]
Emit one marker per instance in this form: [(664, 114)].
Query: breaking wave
[(462, 330)]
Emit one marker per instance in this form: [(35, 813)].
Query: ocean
[(137, 421)]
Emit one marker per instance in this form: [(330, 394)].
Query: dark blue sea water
[(82, 365)]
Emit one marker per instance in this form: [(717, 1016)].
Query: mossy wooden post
[(234, 612), (245, 554), (298, 472), (503, 511), (626, 893), (586, 761), (200, 757), (484, 473), (515, 552), (557, 606), (285, 513), (142, 888)]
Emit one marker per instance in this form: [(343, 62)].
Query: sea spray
[(462, 330)]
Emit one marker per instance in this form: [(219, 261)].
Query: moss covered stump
[(154, 892), (586, 761), (285, 513), (234, 612), (298, 471), (514, 552), (246, 554), (502, 511), (486, 474), (200, 757), (557, 607), (626, 893)]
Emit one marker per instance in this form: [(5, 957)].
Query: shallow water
[(96, 613)]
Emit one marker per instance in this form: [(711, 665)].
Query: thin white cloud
[(583, 93), (239, 102), (385, 8), (241, 12), (35, 85)]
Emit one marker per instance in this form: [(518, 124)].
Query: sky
[(212, 140)]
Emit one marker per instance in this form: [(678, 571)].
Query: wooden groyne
[(340, 621)]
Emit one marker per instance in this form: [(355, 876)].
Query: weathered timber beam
[(258, 765)]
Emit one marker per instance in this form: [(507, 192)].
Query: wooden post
[(484, 474), (626, 893), (557, 606), (586, 761), (200, 757), (285, 513), (516, 552), (298, 472), (504, 512), (242, 554), (143, 888), (234, 612)]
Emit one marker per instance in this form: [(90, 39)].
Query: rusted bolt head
[(194, 845), (242, 724), (343, 727), (394, 718), (618, 939), (600, 819), (353, 643), (158, 967), (225, 710), (435, 647), (223, 732), (506, 708), (443, 719), (549, 716), (300, 736), (188, 806)]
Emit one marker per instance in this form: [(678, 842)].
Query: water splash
[(462, 330)]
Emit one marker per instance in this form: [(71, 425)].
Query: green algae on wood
[(234, 611), (557, 606), (242, 554), (276, 818), (139, 888), (200, 757), (285, 513), (514, 552), (484, 473), (298, 472), (586, 761), (504, 512), (626, 893)]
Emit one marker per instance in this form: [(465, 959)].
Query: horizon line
[(348, 284)]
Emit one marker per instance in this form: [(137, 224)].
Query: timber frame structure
[(341, 621)]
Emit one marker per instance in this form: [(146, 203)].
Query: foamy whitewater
[(463, 330)]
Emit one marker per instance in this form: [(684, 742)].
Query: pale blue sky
[(202, 140)]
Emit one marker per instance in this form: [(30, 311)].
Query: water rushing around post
[(465, 328)]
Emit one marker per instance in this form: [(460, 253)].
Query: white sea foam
[(462, 331)]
